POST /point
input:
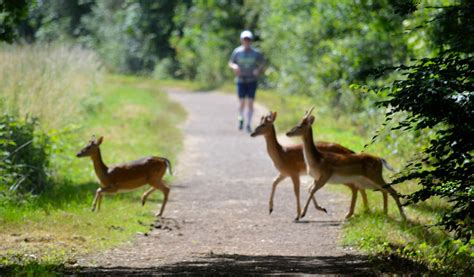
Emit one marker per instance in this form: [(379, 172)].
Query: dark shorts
[(246, 90)]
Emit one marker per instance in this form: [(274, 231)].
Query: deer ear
[(274, 115), (99, 141), (311, 119)]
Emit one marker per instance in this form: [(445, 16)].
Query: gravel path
[(217, 220)]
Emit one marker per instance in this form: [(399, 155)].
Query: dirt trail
[(217, 219)]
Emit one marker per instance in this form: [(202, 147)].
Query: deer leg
[(160, 185), (381, 182), (316, 186), (146, 194), (364, 199), (385, 202), (353, 200), (101, 192), (395, 196), (99, 201), (97, 195), (277, 180), (296, 189), (316, 205)]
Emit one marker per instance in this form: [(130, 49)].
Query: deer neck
[(274, 149), (99, 167), (312, 155)]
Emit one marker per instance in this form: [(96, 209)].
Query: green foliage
[(24, 265), (429, 248), (130, 36), (210, 31), (437, 93), (453, 25), (54, 20), (24, 157), (316, 45), (11, 13)]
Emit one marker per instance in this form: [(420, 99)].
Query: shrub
[(24, 156)]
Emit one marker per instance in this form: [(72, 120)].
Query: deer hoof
[(270, 211)]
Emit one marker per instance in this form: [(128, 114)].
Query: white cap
[(246, 34)]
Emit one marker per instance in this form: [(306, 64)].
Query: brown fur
[(127, 176), (289, 161), (364, 170)]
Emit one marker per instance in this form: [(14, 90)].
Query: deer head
[(266, 124), (91, 148), (303, 125)]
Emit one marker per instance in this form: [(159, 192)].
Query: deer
[(127, 176), (289, 161), (363, 170)]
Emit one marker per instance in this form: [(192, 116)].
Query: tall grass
[(54, 83)]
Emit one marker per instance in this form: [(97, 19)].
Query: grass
[(136, 119), (45, 81)]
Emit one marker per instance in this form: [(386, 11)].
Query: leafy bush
[(164, 69), (24, 156), (320, 47), (438, 94), (130, 36)]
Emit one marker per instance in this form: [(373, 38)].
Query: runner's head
[(246, 38)]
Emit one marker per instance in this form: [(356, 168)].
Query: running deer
[(289, 161), (127, 176), (363, 170)]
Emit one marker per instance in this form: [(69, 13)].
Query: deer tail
[(168, 165), (385, 163)]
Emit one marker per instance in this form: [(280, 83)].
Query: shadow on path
[(242, 264)]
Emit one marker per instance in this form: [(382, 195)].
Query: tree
[(11, 13), (131, 36), (317, 46), (210, 31), (437, 93)]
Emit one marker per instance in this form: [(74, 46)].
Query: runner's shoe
[(249, 129), (241, 123)]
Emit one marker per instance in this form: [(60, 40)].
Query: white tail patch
[(385, 163)]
